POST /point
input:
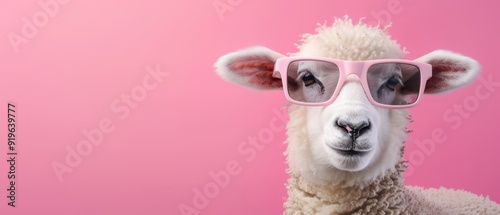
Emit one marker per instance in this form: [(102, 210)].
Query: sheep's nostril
[(354, 129)]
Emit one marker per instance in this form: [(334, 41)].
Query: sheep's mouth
[(350, 152), (353, 150)]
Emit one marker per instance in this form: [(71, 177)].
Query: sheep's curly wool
[(386, 195), (350, 41)]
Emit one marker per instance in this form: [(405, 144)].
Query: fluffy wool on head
[(348, 41)]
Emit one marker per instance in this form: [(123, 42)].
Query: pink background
[(65, 79)]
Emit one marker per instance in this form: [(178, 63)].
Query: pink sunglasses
[(388, 83)]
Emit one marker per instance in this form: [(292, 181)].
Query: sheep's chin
[(337, 167), (340, 151)]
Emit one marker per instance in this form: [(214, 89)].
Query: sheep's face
[(348, 133), (349, 139)]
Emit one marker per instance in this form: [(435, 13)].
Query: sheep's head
[(351, 130)]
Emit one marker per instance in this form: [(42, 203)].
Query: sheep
[(346, 141)]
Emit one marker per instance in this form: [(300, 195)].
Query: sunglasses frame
[(346, 68)]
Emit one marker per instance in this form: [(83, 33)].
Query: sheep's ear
[(252, 67), (449, 71)]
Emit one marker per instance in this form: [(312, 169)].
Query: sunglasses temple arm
[(276, 74)]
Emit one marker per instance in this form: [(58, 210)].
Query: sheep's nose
[(354, 129)]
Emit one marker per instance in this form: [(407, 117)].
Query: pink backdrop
[(121, 98)]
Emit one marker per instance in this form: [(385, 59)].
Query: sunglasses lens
[(394, 83), (312, 81)]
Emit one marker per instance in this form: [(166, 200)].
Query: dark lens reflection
[(311, 80), (394, 83)]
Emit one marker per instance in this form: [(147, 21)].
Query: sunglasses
[(388, 83)]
